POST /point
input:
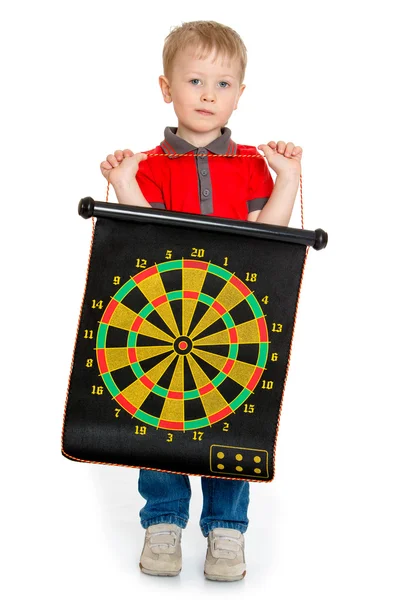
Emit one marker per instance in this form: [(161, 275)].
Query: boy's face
[(204, 92)]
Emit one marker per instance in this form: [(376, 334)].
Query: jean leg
[(225, 504), (167, 498)]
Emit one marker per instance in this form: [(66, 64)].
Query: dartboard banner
[(183, 342)]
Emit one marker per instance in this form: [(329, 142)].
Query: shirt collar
[(173, 144)]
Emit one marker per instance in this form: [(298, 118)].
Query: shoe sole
[(224, 578), (159, 573)]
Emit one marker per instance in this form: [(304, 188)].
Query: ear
[(241, 90), (165, 88)]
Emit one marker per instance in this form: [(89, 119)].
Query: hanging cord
[(229, 156), (81, 312)]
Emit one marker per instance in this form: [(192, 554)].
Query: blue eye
[(195, 81), (223, 84)]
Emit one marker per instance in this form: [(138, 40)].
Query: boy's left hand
[(284, 159)]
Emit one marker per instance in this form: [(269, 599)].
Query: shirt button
[(206, 193), (204, 172), (203, 151)]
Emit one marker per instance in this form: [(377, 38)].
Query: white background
[(80, 79)]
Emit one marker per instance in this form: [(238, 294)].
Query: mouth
[(204, 112)]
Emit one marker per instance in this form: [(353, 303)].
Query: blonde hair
[(206, 36)]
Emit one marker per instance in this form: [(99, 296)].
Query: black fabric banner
[(182, 350)]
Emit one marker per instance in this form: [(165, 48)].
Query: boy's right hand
[(121, 167)]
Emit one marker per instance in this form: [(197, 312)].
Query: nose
[(208, 96)]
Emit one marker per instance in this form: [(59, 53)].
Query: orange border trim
[(288, 364), (76, 336), (95, 462)]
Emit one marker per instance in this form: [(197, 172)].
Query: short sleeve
[(149, 187), (261, 184)]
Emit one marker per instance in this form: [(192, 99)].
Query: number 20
[(199, 252)]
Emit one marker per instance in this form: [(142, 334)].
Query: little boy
[(204, 66)]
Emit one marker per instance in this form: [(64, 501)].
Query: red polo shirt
[(220, 187)]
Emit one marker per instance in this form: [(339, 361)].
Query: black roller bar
[(87, 208)]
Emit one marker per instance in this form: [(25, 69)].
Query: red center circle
[(182, 345)]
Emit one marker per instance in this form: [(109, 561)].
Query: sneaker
[(162, 553), (225, 555)]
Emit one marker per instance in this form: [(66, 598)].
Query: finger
[(266, 147), (297, 151), (105, 165), (289, 149), (281, 147), (267, 150), (105, 171), (127, 152), (112, 160), (119, 155)]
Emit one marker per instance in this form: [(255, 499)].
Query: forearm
[(130, 193), (279, 207)]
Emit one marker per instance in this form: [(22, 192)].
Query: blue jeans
[(167, 495)]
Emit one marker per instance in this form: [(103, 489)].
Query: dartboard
[(182, 344), (182, 348)]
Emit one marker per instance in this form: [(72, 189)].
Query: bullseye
[(183, 345)]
